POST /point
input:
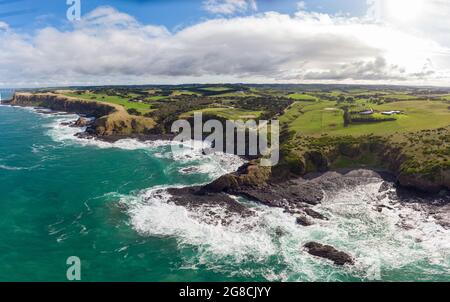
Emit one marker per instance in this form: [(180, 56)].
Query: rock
[(82, 122), (424, 183), (350, 150), (384, 187), (380, 207), (224, 183), (328, 252), (303, 220), (279, 232), (111, 119), (196, 197), (315, 214)]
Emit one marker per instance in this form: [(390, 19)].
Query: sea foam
[(186, 153), (270, 238), (269, 243)]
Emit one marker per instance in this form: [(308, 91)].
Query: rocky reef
[(328, 252)]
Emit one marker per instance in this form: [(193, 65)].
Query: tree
[(350, 100), (347, 117)]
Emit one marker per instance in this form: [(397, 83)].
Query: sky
[(402, 42)]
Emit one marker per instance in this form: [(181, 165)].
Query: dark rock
[(384, 187), (328, 252), (85, 135), (303, 220), (315, 214), (198, 198), (279, 232), (350, 150), (380, 207)]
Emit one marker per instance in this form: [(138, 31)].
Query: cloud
[(378, 69), (429, 18), (229, 7), (301, 5), (3, 26), (111, 47)]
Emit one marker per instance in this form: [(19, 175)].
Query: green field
[(399, 96), (215, 89), (238, 94), (103, 97), (325, 117), (184, 92), (302, 96), (227, 113)]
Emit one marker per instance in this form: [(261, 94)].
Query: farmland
[(114, 99), (322, 126)]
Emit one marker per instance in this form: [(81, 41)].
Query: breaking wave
[(269, 242), (389, 241), (188, 154)]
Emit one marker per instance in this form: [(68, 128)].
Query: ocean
[(106, 203)]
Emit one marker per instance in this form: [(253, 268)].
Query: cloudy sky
[(211, 41)]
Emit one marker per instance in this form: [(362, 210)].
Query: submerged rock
[(328, 252)]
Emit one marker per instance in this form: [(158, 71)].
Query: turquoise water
[(106, 204)]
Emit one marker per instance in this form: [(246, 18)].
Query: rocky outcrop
[(111, 119), (120, 123), (82, 122), (250, 175), (328, 252), (437, 181), (381, 153)]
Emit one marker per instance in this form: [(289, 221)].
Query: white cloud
[(229, 7), (426, 18), (3, 26), (110, 47), (301, 5)]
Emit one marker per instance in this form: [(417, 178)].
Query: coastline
[(102, 129), (303, 198)]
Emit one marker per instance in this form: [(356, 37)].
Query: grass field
[(184, 92), (325, 117), (227, 113), (302, 96), (399, 96), (235, 95), (215, 89), (102, 97)]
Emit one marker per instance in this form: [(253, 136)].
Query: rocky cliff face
[(110, 120), (61, 103), (366, 153)]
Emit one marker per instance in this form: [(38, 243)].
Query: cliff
[(423, 164), (62, 103), (111, 119)]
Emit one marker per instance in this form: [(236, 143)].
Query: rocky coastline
[(273, 187)]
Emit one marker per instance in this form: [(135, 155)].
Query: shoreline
[(89, 133), (300, 197)]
